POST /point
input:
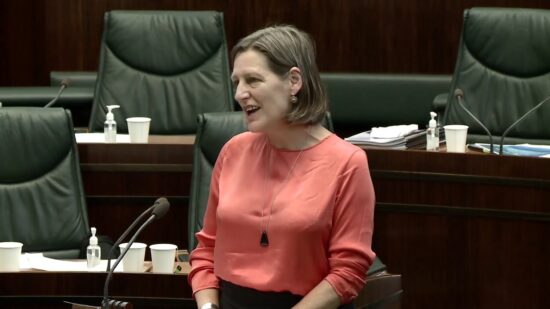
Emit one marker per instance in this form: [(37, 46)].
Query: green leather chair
[(166, 65), (42, 201), (214, 130), (503, 67), (360, 101)]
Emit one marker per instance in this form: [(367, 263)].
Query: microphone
[(519, 120), (158, 210), (459, 94), (64, 84), (131, 227)]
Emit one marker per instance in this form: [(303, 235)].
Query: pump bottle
[(432, 134), (93, 251), (109, 128)]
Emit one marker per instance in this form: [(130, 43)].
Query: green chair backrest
[(42, 200), (503, 67), (166, 65), (360, 101)]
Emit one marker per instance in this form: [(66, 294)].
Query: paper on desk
[(528, 150), (393, 131), (100, 138), (38, 261)]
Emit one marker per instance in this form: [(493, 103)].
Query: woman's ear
[(295, 78)]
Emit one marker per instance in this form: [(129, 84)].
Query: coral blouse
[(316, 205)]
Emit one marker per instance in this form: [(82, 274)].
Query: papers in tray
[(415, 139), (527, 150), (393, 131)]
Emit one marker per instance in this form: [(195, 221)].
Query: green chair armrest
[(376, 267), (76, 78), (439, 103), (76, 99), (40, 96)]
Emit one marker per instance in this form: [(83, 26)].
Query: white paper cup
[(135, 257), (163, 257), (10, 253), (455, 136), (138, 128)]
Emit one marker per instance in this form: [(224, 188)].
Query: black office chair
[(166, 65), (504, 70), (42, 201)]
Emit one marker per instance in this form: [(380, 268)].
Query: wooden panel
[(394, 36), (123, 180), (50, 289), (143, 290), (463, 230)]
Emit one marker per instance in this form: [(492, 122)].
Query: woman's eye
[(252, 80)]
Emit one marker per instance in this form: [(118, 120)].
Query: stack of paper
[(415, 139), (393, 131)]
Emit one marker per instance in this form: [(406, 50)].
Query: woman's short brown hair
[(285, 47)]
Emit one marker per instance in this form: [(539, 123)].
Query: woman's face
[(263, 95)]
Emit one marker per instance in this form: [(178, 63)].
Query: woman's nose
[(241, 93)]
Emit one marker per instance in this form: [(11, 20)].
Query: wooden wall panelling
[(394, 36)]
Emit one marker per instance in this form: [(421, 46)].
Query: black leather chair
[(42, 200), (166, 65), (383, 290), (503, 68)]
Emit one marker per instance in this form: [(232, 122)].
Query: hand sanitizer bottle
[(93, 251), (109, 128), (432, 134)]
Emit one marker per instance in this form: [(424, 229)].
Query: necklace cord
[(264, 240)]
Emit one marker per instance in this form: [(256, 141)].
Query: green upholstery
[(166, 65), (503, 68), (213, 131), (42, 201), (76, 78), (76, 99), (361, 101)]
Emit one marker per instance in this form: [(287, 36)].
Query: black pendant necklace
[(264, 241)]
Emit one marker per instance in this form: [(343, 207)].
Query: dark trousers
[(234, 296)]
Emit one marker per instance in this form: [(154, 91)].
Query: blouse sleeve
[(201, 259), (350, 252)]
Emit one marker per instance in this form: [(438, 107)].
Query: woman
[(290, 214)]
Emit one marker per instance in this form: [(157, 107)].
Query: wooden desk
[(122, 180), (41, 289), (464, 230), (143, 290)]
